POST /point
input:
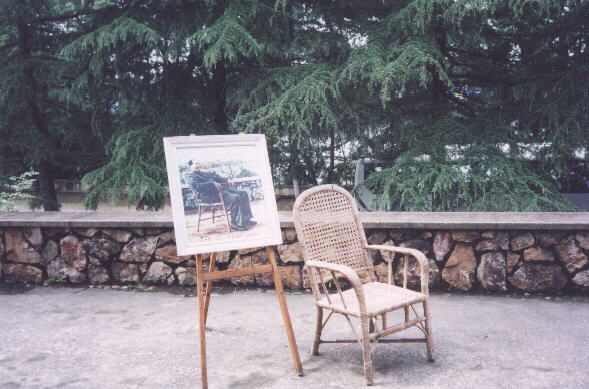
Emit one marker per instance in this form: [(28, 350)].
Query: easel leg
[(201, 323), (212, 263), (294, 351)]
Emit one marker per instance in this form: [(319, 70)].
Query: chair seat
[(380, 298)]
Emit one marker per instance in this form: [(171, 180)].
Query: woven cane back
[(328, 227)]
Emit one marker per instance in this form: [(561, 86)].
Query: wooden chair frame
[(330, 256), (204, 207)]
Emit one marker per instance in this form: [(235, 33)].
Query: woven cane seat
[(380, 298)]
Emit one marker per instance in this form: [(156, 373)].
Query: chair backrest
[(197, 194), (329, 229)]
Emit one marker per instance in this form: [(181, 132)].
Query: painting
[(221, 193)]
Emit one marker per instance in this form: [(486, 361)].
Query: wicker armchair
[(334, 247)]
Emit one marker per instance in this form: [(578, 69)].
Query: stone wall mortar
[(500, 261)]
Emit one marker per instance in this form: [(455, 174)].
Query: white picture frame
[(243, 161)]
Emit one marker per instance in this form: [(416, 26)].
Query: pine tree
[(474, 105), (37, 129)]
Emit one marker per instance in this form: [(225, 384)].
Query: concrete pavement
[(95, 338)]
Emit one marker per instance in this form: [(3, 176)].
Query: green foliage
[(290, 100), (15, 190), (61, 280), (135, 169), (100, 83), (227, 39)]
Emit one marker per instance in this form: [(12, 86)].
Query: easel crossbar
[(247, 271)]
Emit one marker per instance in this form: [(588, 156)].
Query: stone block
[(239, 262), (414, 274), (18, 248), (186, 276), (139, 249), (169, 254), (426, 235), (87, 232), (442, 245), (511, 260), (102, 248), (549, 238), (223, 256), (487, 245), (291, 277), (74, 270), (538, 277), (34, 237), (583, 239), (377, 237), (538, 253), (570, 254), (289, 235), (522, 241), (263, 279), (21, 273), (125, 272), (165, 238), (97, 274), (250, 250), (491, 272), (71, 248), (465, 236), (460, 268), (382, 272), (291, 253), (419, 244), (119, 235), (158, 273), (50, 252), (582, 279)]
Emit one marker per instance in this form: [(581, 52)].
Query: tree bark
[(219, 94), (47, 187), (45, 179), (330, 173), (294, 156)]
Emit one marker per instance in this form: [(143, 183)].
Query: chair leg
[(213, 212), (226, 215), (429, 341), (199, 214), (366, 352), (318, 328)]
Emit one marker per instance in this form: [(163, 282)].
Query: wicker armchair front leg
[(356, 283), (424, 279)]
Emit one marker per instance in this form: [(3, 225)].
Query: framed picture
[(221, 192)]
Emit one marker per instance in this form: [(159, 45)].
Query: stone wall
[(466, 260)]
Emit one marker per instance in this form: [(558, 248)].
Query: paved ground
[(90, 338)]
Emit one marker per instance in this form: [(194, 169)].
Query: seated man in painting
[(210, 185)]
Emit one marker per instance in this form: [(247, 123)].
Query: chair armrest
[(418, 255), (348, 273)]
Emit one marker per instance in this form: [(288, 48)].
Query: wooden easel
[(204, 295)]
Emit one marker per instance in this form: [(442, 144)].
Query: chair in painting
[(203, 207), (335, 248)]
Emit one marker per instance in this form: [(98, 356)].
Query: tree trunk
[(294, 156), (219, 94), (45, 179), (47, 187), (330, 173)]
